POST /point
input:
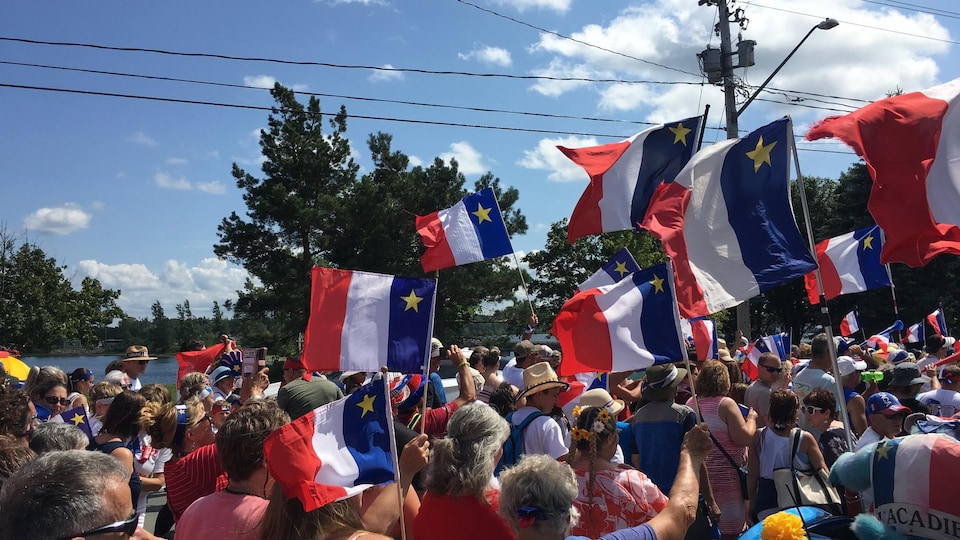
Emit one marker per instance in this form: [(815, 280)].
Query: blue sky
[(131, 191)]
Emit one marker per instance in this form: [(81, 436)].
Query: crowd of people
[(685, 450)]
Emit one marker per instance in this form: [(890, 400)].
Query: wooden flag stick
[(384, 373)]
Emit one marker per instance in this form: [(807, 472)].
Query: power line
[(338, 66), (917, 8), (575, 40)]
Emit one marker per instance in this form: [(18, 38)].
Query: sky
[(130, 191)]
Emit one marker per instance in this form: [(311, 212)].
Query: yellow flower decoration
[(782, 526), (579, 434), (576, 412), (604, 416)]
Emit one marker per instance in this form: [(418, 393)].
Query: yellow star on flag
[(412, 301), (483, 214), (868, 242), (761, 154), (77, 419), (882, 450), (621, 269), (680, 134), (366, 404), (657, 283)]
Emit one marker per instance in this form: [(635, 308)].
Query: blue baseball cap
[(886, 404)]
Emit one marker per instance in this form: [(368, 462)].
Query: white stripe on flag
[(366, 323), (461, 236), (847, 264), (619, 183), (622, 307), (913, 465)]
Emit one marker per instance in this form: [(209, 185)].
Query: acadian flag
[(622, 327), (911, 145), (704, 334), (938, 322), (360, 320), (624, 175), (198, 360), (914, 333), (335, 451), (618, 267), (77, 417), (774, 344), (727, 224), (849, 263), (850, 323), (579, 383), (470, 231)]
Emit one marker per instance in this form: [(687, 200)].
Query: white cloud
[(176, 161), (384, 75), (211, 279), (142, 139), (488, 55), (61, 220), (167, 181), (415, 161), (214, 188), (560, 6), (561, 69), (259, 81), (469, 160), (547, 157)]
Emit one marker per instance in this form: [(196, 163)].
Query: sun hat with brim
[(220, 374), (138, 352), (540, 377), (406, 390), (598, 397), (907, 374), (659, 380)]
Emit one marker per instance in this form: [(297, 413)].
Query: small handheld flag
[(938, 322), (850, 323), (849, 263), (618, 267), (76, 416)]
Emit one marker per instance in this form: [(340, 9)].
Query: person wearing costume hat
[(293, 369), (135, 364), (543, 435)]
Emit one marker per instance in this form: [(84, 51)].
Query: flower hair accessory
[(528, 515), (598, 426), (604, 415), (782, 526), (579, 434), (576, 412)]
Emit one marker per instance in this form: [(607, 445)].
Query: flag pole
[(426, 359), (683, 343), (516, 259), (893, 288), (703, 124), (393, 451), (824, 310)]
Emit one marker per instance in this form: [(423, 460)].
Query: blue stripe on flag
[(488, 223), (366, 433), (409, 329), (884, 465), (658, 315), (758, 208), (625, 258), (874, 273), (663, 157)]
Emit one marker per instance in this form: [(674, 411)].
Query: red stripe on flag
[(749, 369), (828, 273), (702, 339), (438, 254), (328, 307), (664, 218), (584, 335), (944, 476), (197, 360), (596, 160)]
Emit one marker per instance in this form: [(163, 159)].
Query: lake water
[(162, 370)]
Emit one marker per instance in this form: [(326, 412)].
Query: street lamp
[(826, 24)]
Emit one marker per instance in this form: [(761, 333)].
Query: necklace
[(232, 491)]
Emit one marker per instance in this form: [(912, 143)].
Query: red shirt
[(195, 475), (436, 419), (471, 518)]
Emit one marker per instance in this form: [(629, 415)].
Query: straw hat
[(659, 380), (598, 397), (138, 352), (540, 377)]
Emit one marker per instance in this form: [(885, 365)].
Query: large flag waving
[(849, 263), (198, 360), (618, 267), (361, 321), (911, 144), (335, 451), (627, 326), (727, 223), (470, 231), (704, 334), (623, 176)]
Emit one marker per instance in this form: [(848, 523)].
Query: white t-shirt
[(148, 461), (924, 362), (942, 402), (808, 380), (135, 384), (512, 374), (869, 437), (542, 436)]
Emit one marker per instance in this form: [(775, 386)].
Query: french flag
[(470, 231), (911, 145), (727, 223), (623, 176), (335, 451), (938, 322), (849, 263), (360, 321), (878, 342), (773, 343), (850, 323), (622, 327), (618, 267), (914, 333), (704, 333)]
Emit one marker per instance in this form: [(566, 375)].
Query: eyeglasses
[(810, 409), (142, 362), (127, 526), (206, 418), (772, 369), (53, 400)]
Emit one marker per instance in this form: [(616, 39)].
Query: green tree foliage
[(161, 331)]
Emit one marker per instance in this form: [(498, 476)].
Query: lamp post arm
[(775, 71)]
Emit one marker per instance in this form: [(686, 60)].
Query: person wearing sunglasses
[(135, 364), (47, 388), (820, 408), (40, 500), (769, 375)]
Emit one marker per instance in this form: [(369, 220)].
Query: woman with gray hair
[(459, 495), (538, 493)]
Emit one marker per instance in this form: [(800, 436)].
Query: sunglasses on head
[(772, 369), (810, 409), (53, 400), (127, 526)]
